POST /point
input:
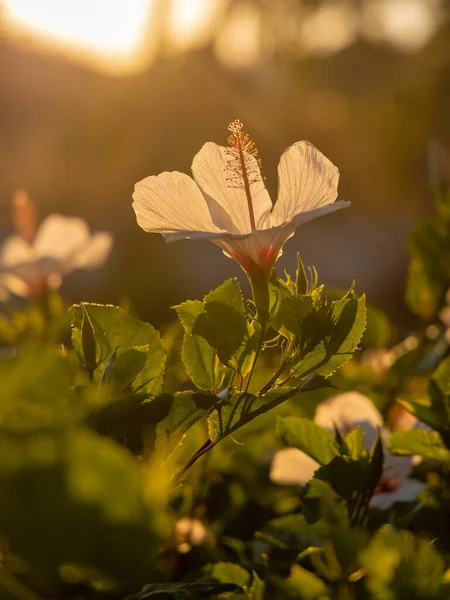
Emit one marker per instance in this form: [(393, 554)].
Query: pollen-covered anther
[(235, 126), (241, 141)]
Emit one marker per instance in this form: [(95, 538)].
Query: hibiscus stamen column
[(243, 170), (241, 142)]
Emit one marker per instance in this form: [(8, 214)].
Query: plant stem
[(256, 357), (262, 332), (200, 452), (252, 370), (262, 409), (283, 366), (244, 419)]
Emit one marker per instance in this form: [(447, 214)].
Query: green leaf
[(313, 440), (441, 378), (242, 359), (186, 409), (199, 357), (86, 497), (216, 329), (228, 293), (400, 565), (202, 363), (191, 591), (429, 268), (222, 327), (89, 344), (377, 460), (301, 282), (277, 293), (129, 419), (330, 336), (347, 477), (225, 416), (188, 312), (223, 323), (418, 441), (292, 311), (354, 443), (321, 501), (160, 422), (117, 332), (257, 590), (304, 585), (230, 573), (123, 368), (354, 476), (35, 390), (432, 410)]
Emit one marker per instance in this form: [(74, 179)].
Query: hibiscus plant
[(284, 445)]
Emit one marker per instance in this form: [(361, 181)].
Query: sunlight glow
[(329, 29), (101, 28), (109, 26), (406, 24), (191, 22), (239, 43)]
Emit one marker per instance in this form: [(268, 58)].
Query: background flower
[(40, 255), (345, 412)]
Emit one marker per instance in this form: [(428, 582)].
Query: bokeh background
[(97, 94)]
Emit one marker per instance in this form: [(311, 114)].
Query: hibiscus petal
[(260, 247), (15, 251), (59, 237), (304, 217), (308, 182), (404, 493), (95, 253), (10, 284), (348, 411), (172, 204), (218, 172), (291, 466), (396, 466)]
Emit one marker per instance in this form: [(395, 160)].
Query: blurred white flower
[(227, 201), (189, 532), (395, 484), (38, 256), (345, 412)]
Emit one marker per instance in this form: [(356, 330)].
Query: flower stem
[(261, 296), (249, 400), (256, 357)]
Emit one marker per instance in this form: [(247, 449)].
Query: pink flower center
[(386, 485)]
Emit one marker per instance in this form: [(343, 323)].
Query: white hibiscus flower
[(39, 255), (345, 412), (227, 203)]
